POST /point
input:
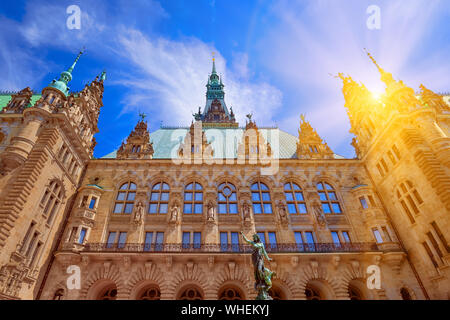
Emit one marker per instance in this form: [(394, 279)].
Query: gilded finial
[(302, 117), (373, 59)]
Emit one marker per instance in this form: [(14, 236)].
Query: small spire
[(103, 76), (76, 60), (214, 63), (373, 60)]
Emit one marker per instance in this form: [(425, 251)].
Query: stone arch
[(237, 286), (102, 275), (354, 275), (190, 273), (189, 285), (127, 177), (161, 177), (194, 177), (286, 282), (149, 274), (361, 288), (267, 180), (321, 286), (227, 177), (333, 181), (302, 183), (99, 287), (323, 280), (234, 274)]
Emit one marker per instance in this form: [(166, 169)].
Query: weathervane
[(142, 115)]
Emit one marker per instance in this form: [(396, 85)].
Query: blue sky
[(275, 56)]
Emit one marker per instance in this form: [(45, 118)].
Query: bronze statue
[(263, 276)]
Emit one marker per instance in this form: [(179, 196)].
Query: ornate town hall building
[(160, 218)]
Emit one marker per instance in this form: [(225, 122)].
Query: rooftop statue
[(263, 276)]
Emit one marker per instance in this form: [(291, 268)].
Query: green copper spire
[(65, 78), (214, 65), (103, 76), (75, 62)]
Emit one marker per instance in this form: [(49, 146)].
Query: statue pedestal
[(263, 292)]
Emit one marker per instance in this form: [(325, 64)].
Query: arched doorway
[(276, 293), (190, 293), (231, 293), (108, 293), (149, 293), (354, 293), (312, 293), (318, 289)]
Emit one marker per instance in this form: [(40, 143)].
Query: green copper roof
[(5, 98), (166, 142), (65, 78)]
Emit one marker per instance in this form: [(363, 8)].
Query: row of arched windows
[(227, 198), (228, 292)]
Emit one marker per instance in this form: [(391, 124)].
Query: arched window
[(276, 294), (193, 198), (51, 200), (110, 293), (230, 294), (409, 199), (227, 198), (261, 198), (150, 293), (405, 294), (312, 294), (59, 294), (354, 293), (191, 294), (294, 198), (125, 198), (159, 198), (327, 195)]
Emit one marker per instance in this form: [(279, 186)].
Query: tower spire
[(374, 61), (214, 64), (65, 77), (75, 62)]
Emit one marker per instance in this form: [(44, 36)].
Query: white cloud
[(173, 76), (311, 40)]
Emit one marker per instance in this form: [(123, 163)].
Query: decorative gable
[(310, 145), (138, 145)]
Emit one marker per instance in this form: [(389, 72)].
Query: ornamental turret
[(215, 113), (66, 76)]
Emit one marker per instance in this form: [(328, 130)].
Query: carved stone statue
[(246, 211), (318, 213), (139, 213), (174, 213), (263, 276), (282, 211), (211, 211)]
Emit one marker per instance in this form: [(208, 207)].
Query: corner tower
[(48, 142), (403, 139)]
